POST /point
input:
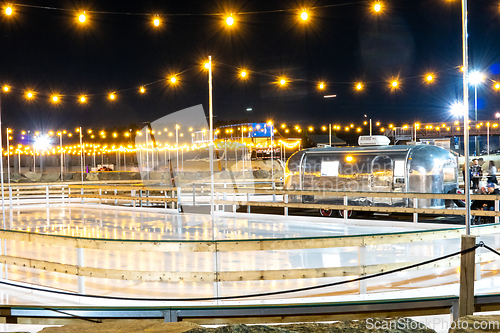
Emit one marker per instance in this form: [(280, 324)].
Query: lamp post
[(177, 146), (61, 149), (8, 155), (476, 78), (488, 138), (81, 152), (465, 57), (211, 142), (330, 134)]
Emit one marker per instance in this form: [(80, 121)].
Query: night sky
[(46, 50)]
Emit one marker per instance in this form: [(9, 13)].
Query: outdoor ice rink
[(131, 226)]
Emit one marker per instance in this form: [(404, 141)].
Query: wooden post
[(466, 300)]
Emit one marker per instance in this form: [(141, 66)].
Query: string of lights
[(376, 6), (393, 84), (229, 20)]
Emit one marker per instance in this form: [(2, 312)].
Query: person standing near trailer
[(477, 173)]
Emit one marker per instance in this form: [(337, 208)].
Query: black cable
[(75, 316), (481, 244), (272, 293)]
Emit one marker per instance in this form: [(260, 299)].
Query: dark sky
[(47, 51)]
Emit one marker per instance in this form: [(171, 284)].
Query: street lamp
[(476, 78), (370, 125)]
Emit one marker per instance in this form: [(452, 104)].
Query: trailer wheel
[(350, 213), (459, 203), (326, 212)]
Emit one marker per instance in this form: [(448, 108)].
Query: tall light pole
[(177, 146), (476, 78), (61, 149), (465, 57), (330, 134), (8, 155), (81, 152), (211, 142)]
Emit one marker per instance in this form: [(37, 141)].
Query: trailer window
[(399, 168), (330, 168), (449, 174)]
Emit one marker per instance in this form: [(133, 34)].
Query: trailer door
[(382, 173)]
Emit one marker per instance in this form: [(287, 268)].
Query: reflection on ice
[(144, 225)]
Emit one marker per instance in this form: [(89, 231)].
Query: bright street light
[(156, 21), (476, 77), (82, 17), (457, 109)]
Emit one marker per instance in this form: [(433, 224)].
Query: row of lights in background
[(45, 148), (283, 128), (230, 20)]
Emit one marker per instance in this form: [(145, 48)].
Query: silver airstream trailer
[(373, 168)]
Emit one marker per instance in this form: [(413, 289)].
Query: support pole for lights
[(465, 55), (2, 188), (81, 154), (211, 141), (8, 158), (330, 134), (62, 159)]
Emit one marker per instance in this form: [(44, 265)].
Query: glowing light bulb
[(230, 20), (30, 94), (377, 7), (6, 88), (142, 90), (82, 99), (156, 21), (55, 98), (321, 86), (359, 86), (304, 16), (206, 65), (243, 74), (173, 80), (8, 10), (112, 96), (497, 86), (283, 81), (429, 77), (82, 18), (394, 84)]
